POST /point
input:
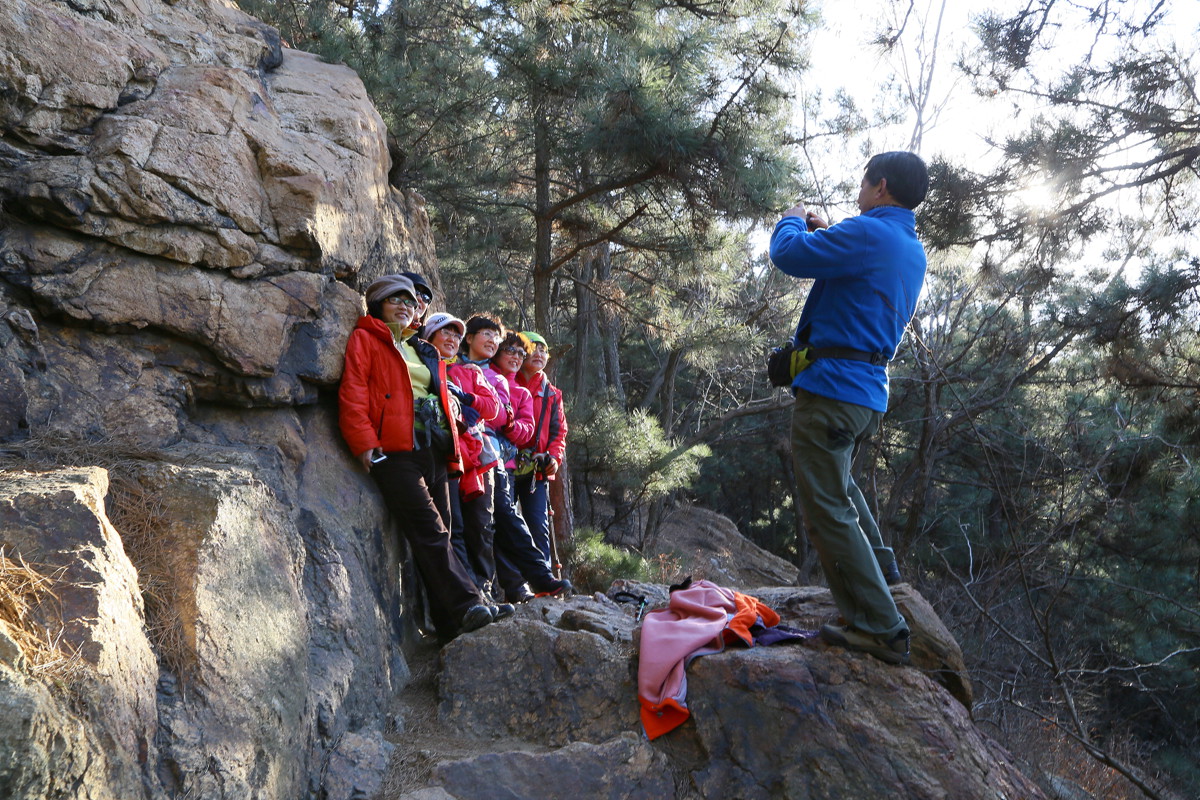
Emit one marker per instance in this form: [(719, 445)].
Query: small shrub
[(595, 564), (665, 568)]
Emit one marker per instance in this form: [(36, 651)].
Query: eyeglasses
[(514, 351), (402, 300), (424, 296)]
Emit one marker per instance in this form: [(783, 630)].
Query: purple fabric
[(780, 634)]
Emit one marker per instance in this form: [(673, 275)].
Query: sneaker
[(475, 618), (502, 611), (893, 650), (559, 587), (891, 574)]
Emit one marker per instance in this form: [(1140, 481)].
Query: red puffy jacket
[(375, 399), (550, 423)]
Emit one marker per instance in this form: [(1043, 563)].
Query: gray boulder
[(547, 702)]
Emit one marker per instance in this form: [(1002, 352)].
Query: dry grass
[(1056, 757), (137, 516), (43, 451), (26, 598)]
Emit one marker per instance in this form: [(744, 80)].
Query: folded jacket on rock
[(701, 619)]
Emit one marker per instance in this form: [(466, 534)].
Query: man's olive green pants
[(826, 434)]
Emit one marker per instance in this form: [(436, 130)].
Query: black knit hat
[(420, 284)]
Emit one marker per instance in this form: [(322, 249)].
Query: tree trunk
[(544, 224), (563, 529), (667, 415), (586, 333), (609, 321), (806, 555)]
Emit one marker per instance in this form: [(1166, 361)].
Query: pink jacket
[(487, 403), (699, 621), (516, 426)]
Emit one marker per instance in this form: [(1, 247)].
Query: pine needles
[(26, 595)]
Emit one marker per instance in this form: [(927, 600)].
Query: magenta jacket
[(515, 420)]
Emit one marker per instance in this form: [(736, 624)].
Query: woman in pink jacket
[(518, 560), (472, 531)]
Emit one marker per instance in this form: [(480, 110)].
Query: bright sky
[(842, 53)]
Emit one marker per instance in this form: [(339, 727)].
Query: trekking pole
[(554, 562)]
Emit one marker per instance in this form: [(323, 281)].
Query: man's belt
[(848, 354)]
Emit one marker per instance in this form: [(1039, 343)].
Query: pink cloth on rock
[(699, 621)]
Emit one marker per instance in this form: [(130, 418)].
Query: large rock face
[(56, 521), (187, 212), (708, 545), (180, 199)]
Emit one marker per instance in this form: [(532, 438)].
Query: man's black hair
[(906, 174)]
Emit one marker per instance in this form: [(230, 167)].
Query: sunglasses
[(402, 300), (513, 351), (424, 296)]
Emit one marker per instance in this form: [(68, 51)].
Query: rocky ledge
[(544, 706)]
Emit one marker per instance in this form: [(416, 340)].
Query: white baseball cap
[(441, 320)]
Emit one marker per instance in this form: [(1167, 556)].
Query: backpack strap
[(537, 432)]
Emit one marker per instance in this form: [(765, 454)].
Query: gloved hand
[(465, 398), (469, 415)]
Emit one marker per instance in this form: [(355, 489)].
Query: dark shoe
[(560, 587), (503, 611), (475, 618), (521, 595), (893, 650), (891, 574)]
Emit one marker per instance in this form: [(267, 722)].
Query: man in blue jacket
[(867, 274)]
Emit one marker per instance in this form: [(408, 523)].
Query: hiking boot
[(559, 587), (893, 650), (503, 611), (891, 574), (520, 595), (475, 618)]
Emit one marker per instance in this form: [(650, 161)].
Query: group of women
[(461, 430)]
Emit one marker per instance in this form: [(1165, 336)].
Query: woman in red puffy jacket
[(540, 459), (395, 413)]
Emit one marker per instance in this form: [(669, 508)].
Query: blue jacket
[(868, 272)]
